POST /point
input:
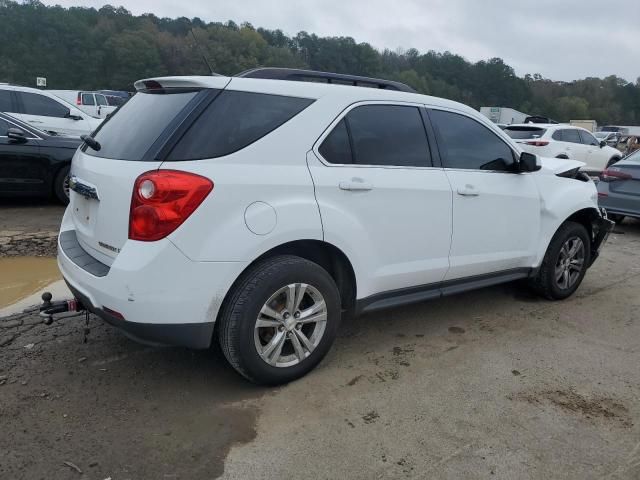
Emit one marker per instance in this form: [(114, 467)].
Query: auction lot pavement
[(490, 384)]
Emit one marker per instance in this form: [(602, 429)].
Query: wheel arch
[(328, 256)]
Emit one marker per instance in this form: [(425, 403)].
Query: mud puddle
[(22, 277)]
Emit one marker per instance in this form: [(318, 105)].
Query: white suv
[(255, 212), (46, 111), (565, 141)]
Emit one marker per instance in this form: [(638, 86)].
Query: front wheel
[(280, 320), (565, 263)]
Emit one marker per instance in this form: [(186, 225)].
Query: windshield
[(521, 133)]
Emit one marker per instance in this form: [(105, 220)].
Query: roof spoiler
[(299, 75)]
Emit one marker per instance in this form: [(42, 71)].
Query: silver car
[(619, 188)]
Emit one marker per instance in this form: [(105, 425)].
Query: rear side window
[(5, 101), (465, 143), (525, 133), (233, 121), (380, 135), (4, 127), (557, 135), (100, 100), (87, 99), (571, 136), (388, 135), (35, 104), (134, 128)]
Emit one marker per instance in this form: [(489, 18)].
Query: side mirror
[(16, 135), (603, 143), (71, 116), (529, 162)]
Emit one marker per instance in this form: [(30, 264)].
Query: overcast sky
[(560, 39)]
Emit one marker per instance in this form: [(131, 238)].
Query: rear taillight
[(79, 99), (162, 200), (611, 175), (538, 143)]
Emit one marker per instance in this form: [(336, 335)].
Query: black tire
[(60, 185), (615, 217), (545, 282), (240, 313)]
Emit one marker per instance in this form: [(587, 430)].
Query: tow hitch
[(48, 309)]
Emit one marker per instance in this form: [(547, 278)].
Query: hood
[(555, 166)]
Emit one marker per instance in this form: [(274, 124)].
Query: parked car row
[(45, 111), (565, 141), (94, 103)]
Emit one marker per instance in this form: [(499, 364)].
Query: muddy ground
[(491, 384), (29, 227)]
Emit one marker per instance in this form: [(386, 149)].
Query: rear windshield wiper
[(91, 142)]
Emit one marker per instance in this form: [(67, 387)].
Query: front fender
[(562, 198)]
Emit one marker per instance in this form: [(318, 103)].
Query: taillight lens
[(79, 99), (611, 175), (162, 200), (538, 143)]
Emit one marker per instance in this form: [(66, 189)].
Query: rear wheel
[(565, 263), (280, 320), (61, 185)]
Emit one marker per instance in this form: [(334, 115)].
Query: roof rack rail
[(300, 75)]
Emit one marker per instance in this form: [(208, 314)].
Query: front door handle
[(468, 191), (355, 186)]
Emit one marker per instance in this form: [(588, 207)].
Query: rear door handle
[(468, 191), (355, 186)]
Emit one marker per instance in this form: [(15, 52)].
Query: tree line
[(109, 48)]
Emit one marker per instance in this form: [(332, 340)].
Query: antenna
[(204, 57)]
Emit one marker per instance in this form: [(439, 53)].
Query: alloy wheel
[(290, 325), (570, 264)]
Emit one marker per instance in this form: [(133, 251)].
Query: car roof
[(303, 89), (46, 93)]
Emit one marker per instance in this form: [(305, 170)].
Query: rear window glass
[(519, 133), (233, 121), (134, 128), (87, 99)]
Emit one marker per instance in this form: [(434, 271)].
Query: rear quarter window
[(233, 121)]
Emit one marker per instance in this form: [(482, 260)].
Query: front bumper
[(602, 227)]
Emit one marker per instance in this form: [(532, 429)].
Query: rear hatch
[(128, 144)]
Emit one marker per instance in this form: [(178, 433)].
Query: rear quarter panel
[(273, 171)]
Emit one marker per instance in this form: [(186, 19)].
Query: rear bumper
[(190, 335), (152, 292)]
